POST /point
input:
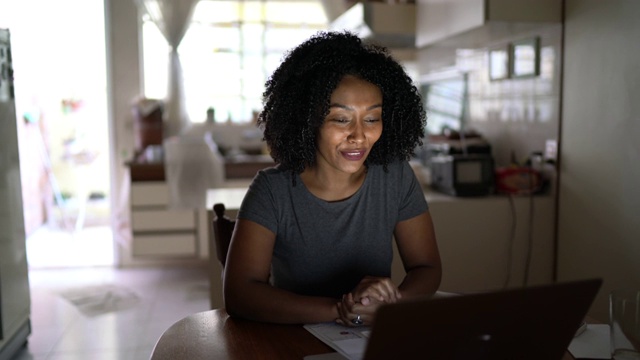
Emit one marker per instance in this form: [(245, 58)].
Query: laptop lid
[(536, 322)]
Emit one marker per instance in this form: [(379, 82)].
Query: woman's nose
[(357, 133)]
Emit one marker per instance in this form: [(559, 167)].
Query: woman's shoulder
[(274, 175), (273, 171)]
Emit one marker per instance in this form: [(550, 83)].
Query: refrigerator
[(15, 298)]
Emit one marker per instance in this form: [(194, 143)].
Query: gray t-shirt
[(325, 248)]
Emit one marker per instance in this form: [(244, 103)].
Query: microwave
[(462, 175)]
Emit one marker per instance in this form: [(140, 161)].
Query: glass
[(306, 12), (445, 103), (525, 58), (498, 64), (228, 52), (624, 322), (217, 12), (155, 61)]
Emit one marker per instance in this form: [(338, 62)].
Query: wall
[(123, 68), (599, 203), (517, 116)]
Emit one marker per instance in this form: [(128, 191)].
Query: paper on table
[(351, 342), (593, 343)]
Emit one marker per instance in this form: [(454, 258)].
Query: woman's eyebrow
[(341, 106)]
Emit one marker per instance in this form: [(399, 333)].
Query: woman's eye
[(372, 120), (341, 120)]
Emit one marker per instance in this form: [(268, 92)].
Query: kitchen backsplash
[(516, 115)]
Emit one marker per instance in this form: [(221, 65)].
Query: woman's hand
[(376, 288), (359, 306)]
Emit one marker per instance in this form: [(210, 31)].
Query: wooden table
[(246, 166), (214, 335), (230, 197)]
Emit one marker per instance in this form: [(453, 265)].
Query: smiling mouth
[(354, 154)]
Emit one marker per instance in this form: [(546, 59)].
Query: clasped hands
[(359, 306)]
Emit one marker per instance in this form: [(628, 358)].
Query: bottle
[(211, 115)]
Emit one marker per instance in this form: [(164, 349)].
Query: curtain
[(172, 18)]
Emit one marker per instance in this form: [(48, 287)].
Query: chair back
[(222, 231)]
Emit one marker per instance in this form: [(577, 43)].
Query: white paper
[(593, 343), (351, 342)]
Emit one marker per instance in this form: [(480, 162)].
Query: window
[(445, 103), (228, 52)]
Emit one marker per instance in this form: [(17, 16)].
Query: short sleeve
[(412, 199), (259, 204)]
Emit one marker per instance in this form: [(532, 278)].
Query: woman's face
[(353, 125)]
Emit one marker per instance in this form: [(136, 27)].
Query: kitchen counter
[(235, 167)]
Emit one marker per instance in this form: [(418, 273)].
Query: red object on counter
[(517, 180)]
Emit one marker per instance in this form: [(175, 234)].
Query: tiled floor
[(105, 313)]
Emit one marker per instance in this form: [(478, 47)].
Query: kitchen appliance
[(459, 164), (462, 175), (15, 301)]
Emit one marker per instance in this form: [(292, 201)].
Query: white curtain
[(172, 18)]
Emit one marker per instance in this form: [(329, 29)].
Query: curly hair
[(297, 95)]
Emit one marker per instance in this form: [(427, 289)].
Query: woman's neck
[(332, 185)]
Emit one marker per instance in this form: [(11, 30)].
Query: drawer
[(149, 194), (164, 245), (163, 220)]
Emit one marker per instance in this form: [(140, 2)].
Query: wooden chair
[(222, 231), (219, 239)]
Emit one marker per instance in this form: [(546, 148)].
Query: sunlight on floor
[(74, 316), (48, 247)]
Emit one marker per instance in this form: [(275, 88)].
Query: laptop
[(535, 322)]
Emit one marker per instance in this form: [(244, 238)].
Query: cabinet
[(163, 233), (160, 231), (493, 242), (477, 21)]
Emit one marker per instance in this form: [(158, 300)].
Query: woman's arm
[(418, 249), (247, 292), (416, 240)]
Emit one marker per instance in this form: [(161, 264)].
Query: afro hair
[(296, 99)]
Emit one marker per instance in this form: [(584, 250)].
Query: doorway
[(61, 104)]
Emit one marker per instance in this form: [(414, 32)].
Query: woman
[(313, 238)]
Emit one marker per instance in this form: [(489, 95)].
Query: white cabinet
[(160, 231), (489, 243), (163, 220), (439, 20)]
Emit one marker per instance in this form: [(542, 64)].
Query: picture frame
[(499, 63), (525, 58)]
